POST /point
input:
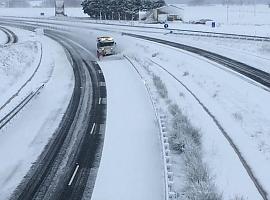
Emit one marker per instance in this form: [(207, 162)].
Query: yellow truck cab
[(105, 46)]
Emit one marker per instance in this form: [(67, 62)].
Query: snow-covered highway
[(131, 138)]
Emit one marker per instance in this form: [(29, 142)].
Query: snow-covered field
[(235, 107), (237, 14), (245, 19), (18, 63), (35, 12), (23, 139), (240, 105)]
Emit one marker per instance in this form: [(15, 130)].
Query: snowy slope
[(18, 63), (23, 139), (3, 37), (241, 108), (131, 165)]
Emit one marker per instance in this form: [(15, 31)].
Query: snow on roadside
[(3, 37), (24, 138), (131, 164), (254, 53), (18, 63), (235, 107)]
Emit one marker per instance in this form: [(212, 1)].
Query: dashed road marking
[(102, 84), (93, 128), (74, 174)]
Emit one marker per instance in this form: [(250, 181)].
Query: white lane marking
[(73, 176), (93, 128), (102, 84), (99, 101)]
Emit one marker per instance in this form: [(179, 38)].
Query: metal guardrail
[(8, 117), (175, 31), (192, 32), (161, 118), (220, 35)]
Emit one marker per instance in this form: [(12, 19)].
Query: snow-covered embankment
[(224, 100), (25, 136)]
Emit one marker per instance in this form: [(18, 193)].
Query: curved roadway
[(72, 185), (69, 161)]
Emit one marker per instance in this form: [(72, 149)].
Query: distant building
[(163, 14)]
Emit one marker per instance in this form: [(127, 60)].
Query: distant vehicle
[(203, 21), (105, 46)]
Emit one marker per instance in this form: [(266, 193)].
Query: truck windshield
[(105, 44)]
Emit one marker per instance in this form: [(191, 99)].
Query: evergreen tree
[(118, 9), (158, 4)]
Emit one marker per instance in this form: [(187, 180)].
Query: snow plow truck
[(105, 46)]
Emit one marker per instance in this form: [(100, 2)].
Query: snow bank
[(131, 164)]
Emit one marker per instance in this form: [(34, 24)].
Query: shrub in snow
[(265, 48), (161, 87), (215, 94), (238, 116), (174, 109), (199, 183), (177, 143), (186, 139), (201, 191), (155, 54), (181, 94), (182, 126), (186, 73)]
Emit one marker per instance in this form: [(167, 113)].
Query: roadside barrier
[(162, 122)]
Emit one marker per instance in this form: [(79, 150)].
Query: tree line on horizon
[(118, 9)]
